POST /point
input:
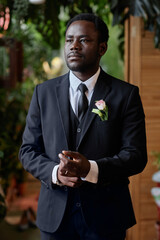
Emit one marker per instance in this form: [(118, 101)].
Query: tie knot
[(82, 87)]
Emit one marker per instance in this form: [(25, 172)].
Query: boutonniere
[(101, 110)]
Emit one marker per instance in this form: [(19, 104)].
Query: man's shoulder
[(118, 83), (51, 83)]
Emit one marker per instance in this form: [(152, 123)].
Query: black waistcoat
[(73, 120), (74, 202)]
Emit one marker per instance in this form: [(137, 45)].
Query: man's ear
[(102, 48)]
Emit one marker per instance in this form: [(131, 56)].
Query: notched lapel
[(63, 104), (101, 91)]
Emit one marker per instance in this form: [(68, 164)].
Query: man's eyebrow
[(80, 36)]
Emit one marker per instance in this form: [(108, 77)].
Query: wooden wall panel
[(143, 70), (148, 230)]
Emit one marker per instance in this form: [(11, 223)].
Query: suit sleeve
[(132, 157), (32, 154)]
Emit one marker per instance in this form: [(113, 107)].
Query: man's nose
[(76, 45)]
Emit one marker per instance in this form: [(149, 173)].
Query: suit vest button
[(78, 204), (78, 130)]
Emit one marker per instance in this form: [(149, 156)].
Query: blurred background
[(31, 51)]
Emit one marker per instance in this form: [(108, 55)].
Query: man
[(83, 157)]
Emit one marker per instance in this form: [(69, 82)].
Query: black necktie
[(83, 101)]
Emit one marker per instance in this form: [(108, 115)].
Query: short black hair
[(100, 25)]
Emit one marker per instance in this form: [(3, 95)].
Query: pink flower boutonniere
[(101, 110)]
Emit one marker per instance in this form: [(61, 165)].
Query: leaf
[(148, 7), (118, 9), (156, 6), (137, 8), (157, 37), (97, 112), (142, 8), (114, 4), (158, 21)]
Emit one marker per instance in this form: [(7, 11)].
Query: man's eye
[(84, 40), (69, 40)]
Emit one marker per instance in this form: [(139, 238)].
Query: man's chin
[(76, 68)]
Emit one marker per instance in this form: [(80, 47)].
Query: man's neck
[(85, 76)]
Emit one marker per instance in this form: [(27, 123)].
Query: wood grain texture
[(144, 71)]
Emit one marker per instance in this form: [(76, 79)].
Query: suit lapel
[(63, 104), (101, 91)]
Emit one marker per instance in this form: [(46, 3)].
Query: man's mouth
[(73, 56)]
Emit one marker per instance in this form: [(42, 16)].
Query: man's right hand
[(66, 180)]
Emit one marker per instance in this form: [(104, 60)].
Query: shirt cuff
[(92, 176), (54, 176)]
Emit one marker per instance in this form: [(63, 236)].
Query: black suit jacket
[(118, 145)]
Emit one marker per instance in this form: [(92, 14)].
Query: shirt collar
[(90, 83)]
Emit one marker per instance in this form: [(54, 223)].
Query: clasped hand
[(73, 166)]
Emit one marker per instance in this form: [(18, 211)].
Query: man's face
[(82, 48)]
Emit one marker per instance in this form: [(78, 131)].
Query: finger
[(75, 182), (71, 154), (62, 166), (69, 171), (63, 158), (67, 164), (71, 181), (73, 185)]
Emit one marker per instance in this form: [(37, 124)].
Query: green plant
[(12, 124), (14, 105), (149, 10), (113, 62), (10, 130)]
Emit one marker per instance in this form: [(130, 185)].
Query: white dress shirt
[(74, 95)]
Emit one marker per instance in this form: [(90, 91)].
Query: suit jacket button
[(78, 130), (78, 204), (65, 188)]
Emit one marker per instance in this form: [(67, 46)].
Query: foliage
[(51, 17), (14, 103), (36, 51), (112, 62), (148, 9), (12, 125), (20, 9), (4, 58)]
